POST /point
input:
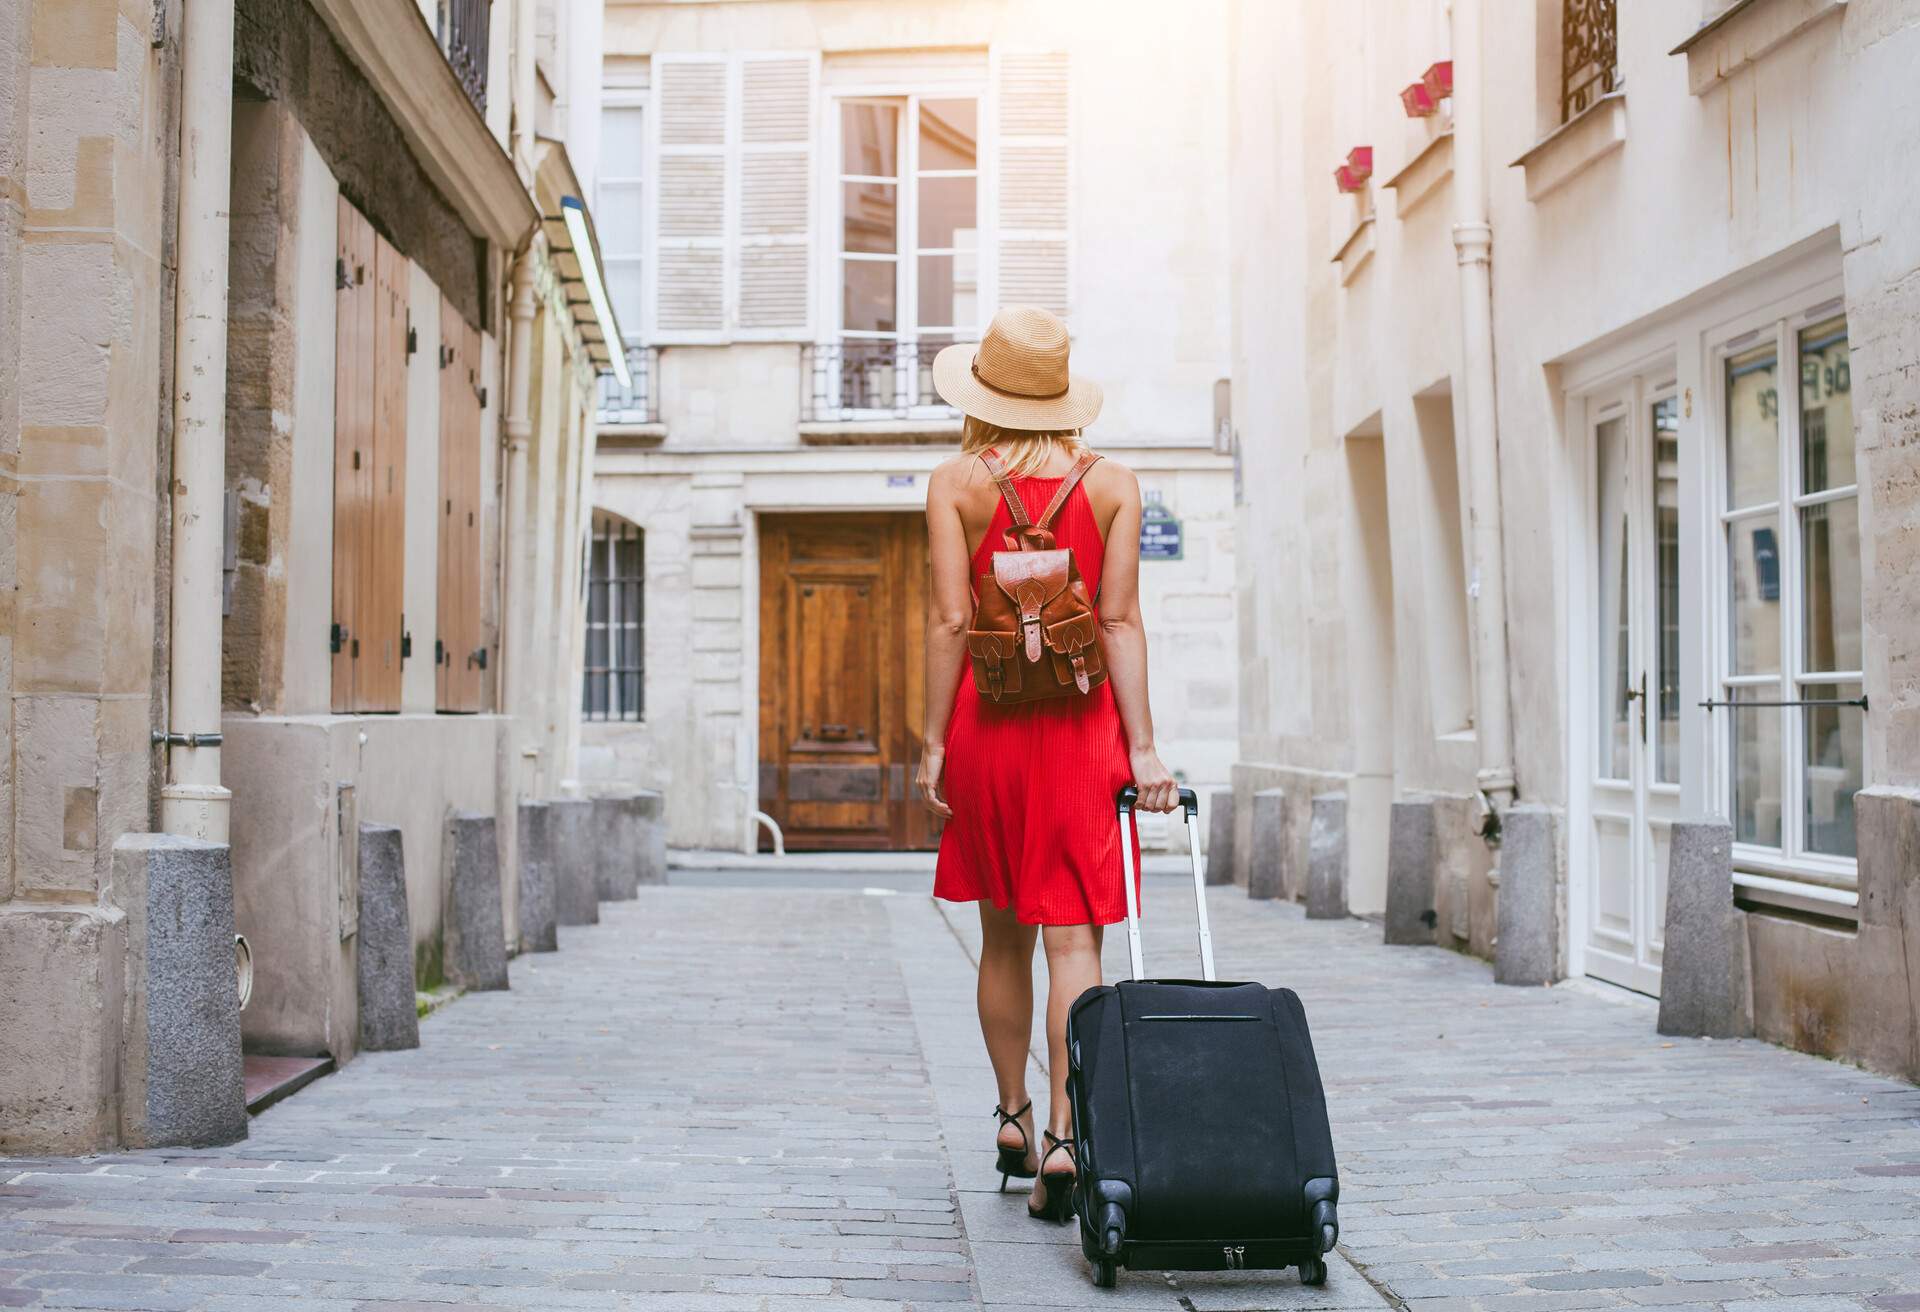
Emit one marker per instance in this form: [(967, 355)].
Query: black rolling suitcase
[(1202, 1126)]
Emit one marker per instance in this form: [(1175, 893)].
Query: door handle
[(834, 733)]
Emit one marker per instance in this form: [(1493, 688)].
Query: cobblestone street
[(726, 1097)]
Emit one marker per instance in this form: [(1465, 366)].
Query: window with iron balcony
[(1589, 55), (463, 36), (908, 268)]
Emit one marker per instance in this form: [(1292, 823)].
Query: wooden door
[(352, 441), (842, 636), (459, 649), (382, 618), (369, 467)]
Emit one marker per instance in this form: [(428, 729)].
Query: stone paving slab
[(763, 1100), (1544, 1150)]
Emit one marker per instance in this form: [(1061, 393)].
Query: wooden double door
[(843, 606)]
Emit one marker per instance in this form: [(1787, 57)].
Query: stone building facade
[(320, 607), (1649, 465), (801, 201)]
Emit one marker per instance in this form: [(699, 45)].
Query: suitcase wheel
[(1313, 1272), (1105, 1274)]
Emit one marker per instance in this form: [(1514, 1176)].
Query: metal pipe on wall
[(519, 435), (193, 802), (1473, 248)]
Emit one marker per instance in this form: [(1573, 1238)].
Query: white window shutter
[(773, 236), (691, 95), (1034, 183)]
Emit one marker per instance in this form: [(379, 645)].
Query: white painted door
[(1636, 632)]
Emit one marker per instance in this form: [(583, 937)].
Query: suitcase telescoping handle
[(1190, 802)]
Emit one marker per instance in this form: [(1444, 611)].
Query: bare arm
[(1125, 641), (950, 603)]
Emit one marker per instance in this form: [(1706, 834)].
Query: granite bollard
[(1270, 849), (535, 833), (616, 868), (648, 811), (1411, 918), (476, 935), (576, 892), (1327, 858), (1526, 945), (180, 1067), (1220, 836), (1705, 989), (383, 949)]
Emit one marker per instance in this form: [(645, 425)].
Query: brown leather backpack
[(1034, 633)]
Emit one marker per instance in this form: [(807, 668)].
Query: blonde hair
[(1024, 451)]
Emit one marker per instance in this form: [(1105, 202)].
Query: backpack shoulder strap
[(1079, 471), (1011, 495)]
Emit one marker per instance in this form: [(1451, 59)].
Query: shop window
[(1791, 671), (614, 681)]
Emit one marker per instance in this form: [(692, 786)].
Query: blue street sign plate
[(1160, 534)]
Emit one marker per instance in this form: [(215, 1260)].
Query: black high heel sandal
[(1058, 1206), (1012, 1162)]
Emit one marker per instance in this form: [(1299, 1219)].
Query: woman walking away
[(1036, 703)]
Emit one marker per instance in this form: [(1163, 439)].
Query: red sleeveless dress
[(1032, 785)]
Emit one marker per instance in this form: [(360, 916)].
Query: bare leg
[(1073, 967), (1005, 999)]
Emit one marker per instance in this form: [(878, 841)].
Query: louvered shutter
[(690, 229), (1031, 98), (777, 95)]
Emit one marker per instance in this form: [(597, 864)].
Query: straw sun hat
[(1017, 376)]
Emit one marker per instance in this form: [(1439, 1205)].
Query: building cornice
[(393, 47)]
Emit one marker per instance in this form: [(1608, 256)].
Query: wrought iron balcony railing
[(860, 379), (1589, 55), (463, 36), (637, 404)]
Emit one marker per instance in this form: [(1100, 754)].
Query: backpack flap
[(996, 671), (1075, 645), (1031, 579)]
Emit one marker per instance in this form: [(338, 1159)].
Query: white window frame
[(907, 252), (1779, 324), (616, 98), (633, 327), (1681, 343)]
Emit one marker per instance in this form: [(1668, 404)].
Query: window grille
[(463, 36), (1589, 55), (614, 682)]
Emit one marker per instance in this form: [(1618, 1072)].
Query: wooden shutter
[(777, 96), (383, 598), (1034, 220), (353, 337), (690, 225), (458, 675)]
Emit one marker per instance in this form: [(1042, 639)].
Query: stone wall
[(85, 110), (263, 337), (284, 51)]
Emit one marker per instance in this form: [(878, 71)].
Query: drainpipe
[(518, 419), (519, 426), (192, 802), (1473, 245)]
